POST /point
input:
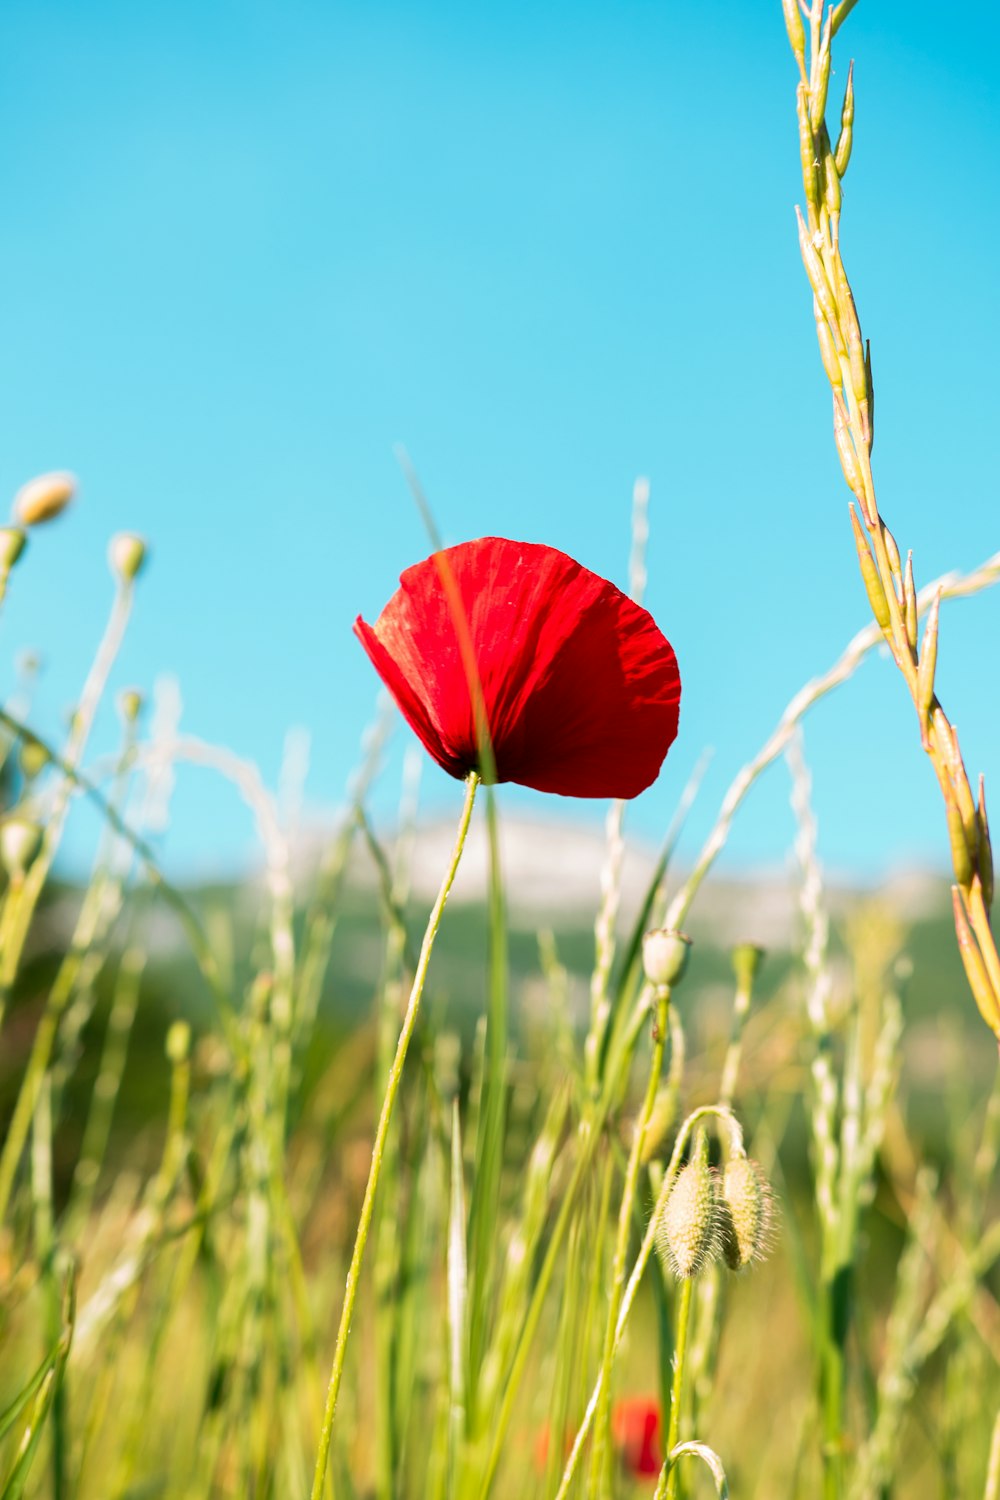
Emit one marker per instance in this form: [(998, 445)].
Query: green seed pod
[(20, 841), (818, 106), (829, 181), (910, 603), (746, 959), (893, 551), (842, 155), (975, 970), (961, 855), (127, 555), (12, 543), (927, 666), (33, 758), (796, 32), (665, 956), (44, 498), (828, 353), (178, 1043), (870, 576), (985, 860), (846, 451), (747, 1213), (687, 1236), (816, 272), (808, 153)]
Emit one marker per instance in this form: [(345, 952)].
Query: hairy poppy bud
[(126, 554), (20, 841), (747, 1213), (44, 498), (665, 955), (687, 1237)]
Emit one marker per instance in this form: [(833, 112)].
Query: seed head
[(665, 955), (126, 554), (688, 1234), (44, 498), (747, 1213), (20, 841)]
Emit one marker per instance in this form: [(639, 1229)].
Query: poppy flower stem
[(378, 1149), (667, 1488), (660, 1006)]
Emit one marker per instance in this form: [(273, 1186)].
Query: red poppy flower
[(635, 1428), (580, 689)]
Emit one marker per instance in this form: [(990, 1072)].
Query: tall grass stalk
[(385, 1116)]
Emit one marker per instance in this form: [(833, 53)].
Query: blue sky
[(247, 248)]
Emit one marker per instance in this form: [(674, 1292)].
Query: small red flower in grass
[(635, 1429), (580, 690)]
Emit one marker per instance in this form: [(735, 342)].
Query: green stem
[(602, 1421), (667, 1486), (392, 1089)]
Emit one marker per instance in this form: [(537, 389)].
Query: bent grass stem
[(385, 1116)]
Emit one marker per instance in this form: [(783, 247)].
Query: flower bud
[(44, 498), (665, 955), (178, 1043), (130, 704), (126, 554), (746, 959), (12, 544), (687, 1237), (20, 841), (33, 758), (747, 1213)]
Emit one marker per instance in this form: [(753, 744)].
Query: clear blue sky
[(248, 247)]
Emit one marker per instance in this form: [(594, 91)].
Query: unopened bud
[(747, 1213), (20, 841), (687, 1237), (33, 758), (746, 960), (665, 955), (12, 544), (126, 554), (796, 32), (178, 1043), (44, 498), (130, 703)]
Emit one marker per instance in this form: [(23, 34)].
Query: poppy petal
[(581, 689)]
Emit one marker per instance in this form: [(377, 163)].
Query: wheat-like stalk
[(888, 582)]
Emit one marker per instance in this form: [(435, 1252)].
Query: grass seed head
[(12, 544), (747, 1211), (44, 498), (687, 1238)]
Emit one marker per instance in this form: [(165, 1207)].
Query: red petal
[(581, 689)]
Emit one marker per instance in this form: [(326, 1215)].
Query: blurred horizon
[(251, 248)]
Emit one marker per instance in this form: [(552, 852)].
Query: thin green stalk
[(667, 1486), (484, 1210), (392, 1089), (598, 1468)]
